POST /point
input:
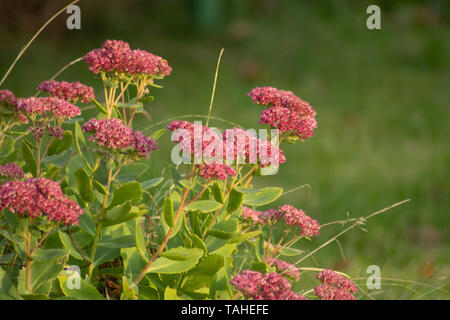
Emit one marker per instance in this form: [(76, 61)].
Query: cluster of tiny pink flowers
[(286, 111), (269, 286), (37, 196), (114, 134), (271, 216), (286, 268), (250, 148), (148, 63), (296, 217), (235, 143), (8, 97), (291, 215), (197, 142), (117, 56), (59, 108), (69, 91), (143, 144), (216, 171), (253, 215), (334, 286), (11, 171), (327, 292), (56, 131)]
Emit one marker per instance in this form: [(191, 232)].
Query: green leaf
[(245, 236), (225, 229), (202, 275), (29, 159), (58, 146), (84, 185), (41, 274), (216, 191), (99, 106), (146, 99), (67, 243), (260, 266), (225, 250), (73, 286), (234, 201), (11, 236), (99, 187), (158, 134), (171, 294), (48, 254), (133, 262), (117, 214), (7, 147), (198, 242), (103, 255), (87, 223), (290, 252), (140, 241), (117, 241), (130, 191), (151, 183), (203, 206), (220, 288), (262, 197), (131, 172), (81, 143), (130, 105), (168, 212), (7, 289), (148, 293), (123, 213), (173, 264)]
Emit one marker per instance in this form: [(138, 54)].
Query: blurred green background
[(381, 96)]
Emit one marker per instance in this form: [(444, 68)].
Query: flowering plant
[(84, 216)]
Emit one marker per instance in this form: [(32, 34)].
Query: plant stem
[(42, 240), (99, 225), (38, 162), (28, 276), (166, 239)]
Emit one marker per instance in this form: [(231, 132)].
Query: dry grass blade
[(32, 39)]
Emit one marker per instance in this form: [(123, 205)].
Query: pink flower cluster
[(269, 286), (59, 108), (117, 56), (286, 268), (286, 111), (206, 138), (234, 144), (37, 196), (11, 171), (250, 214), (334, 286), (114, 134), (216, 171), (8, 97), (200, 137), (291, 215), (296, 217), (69, 91), (249, 147)]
